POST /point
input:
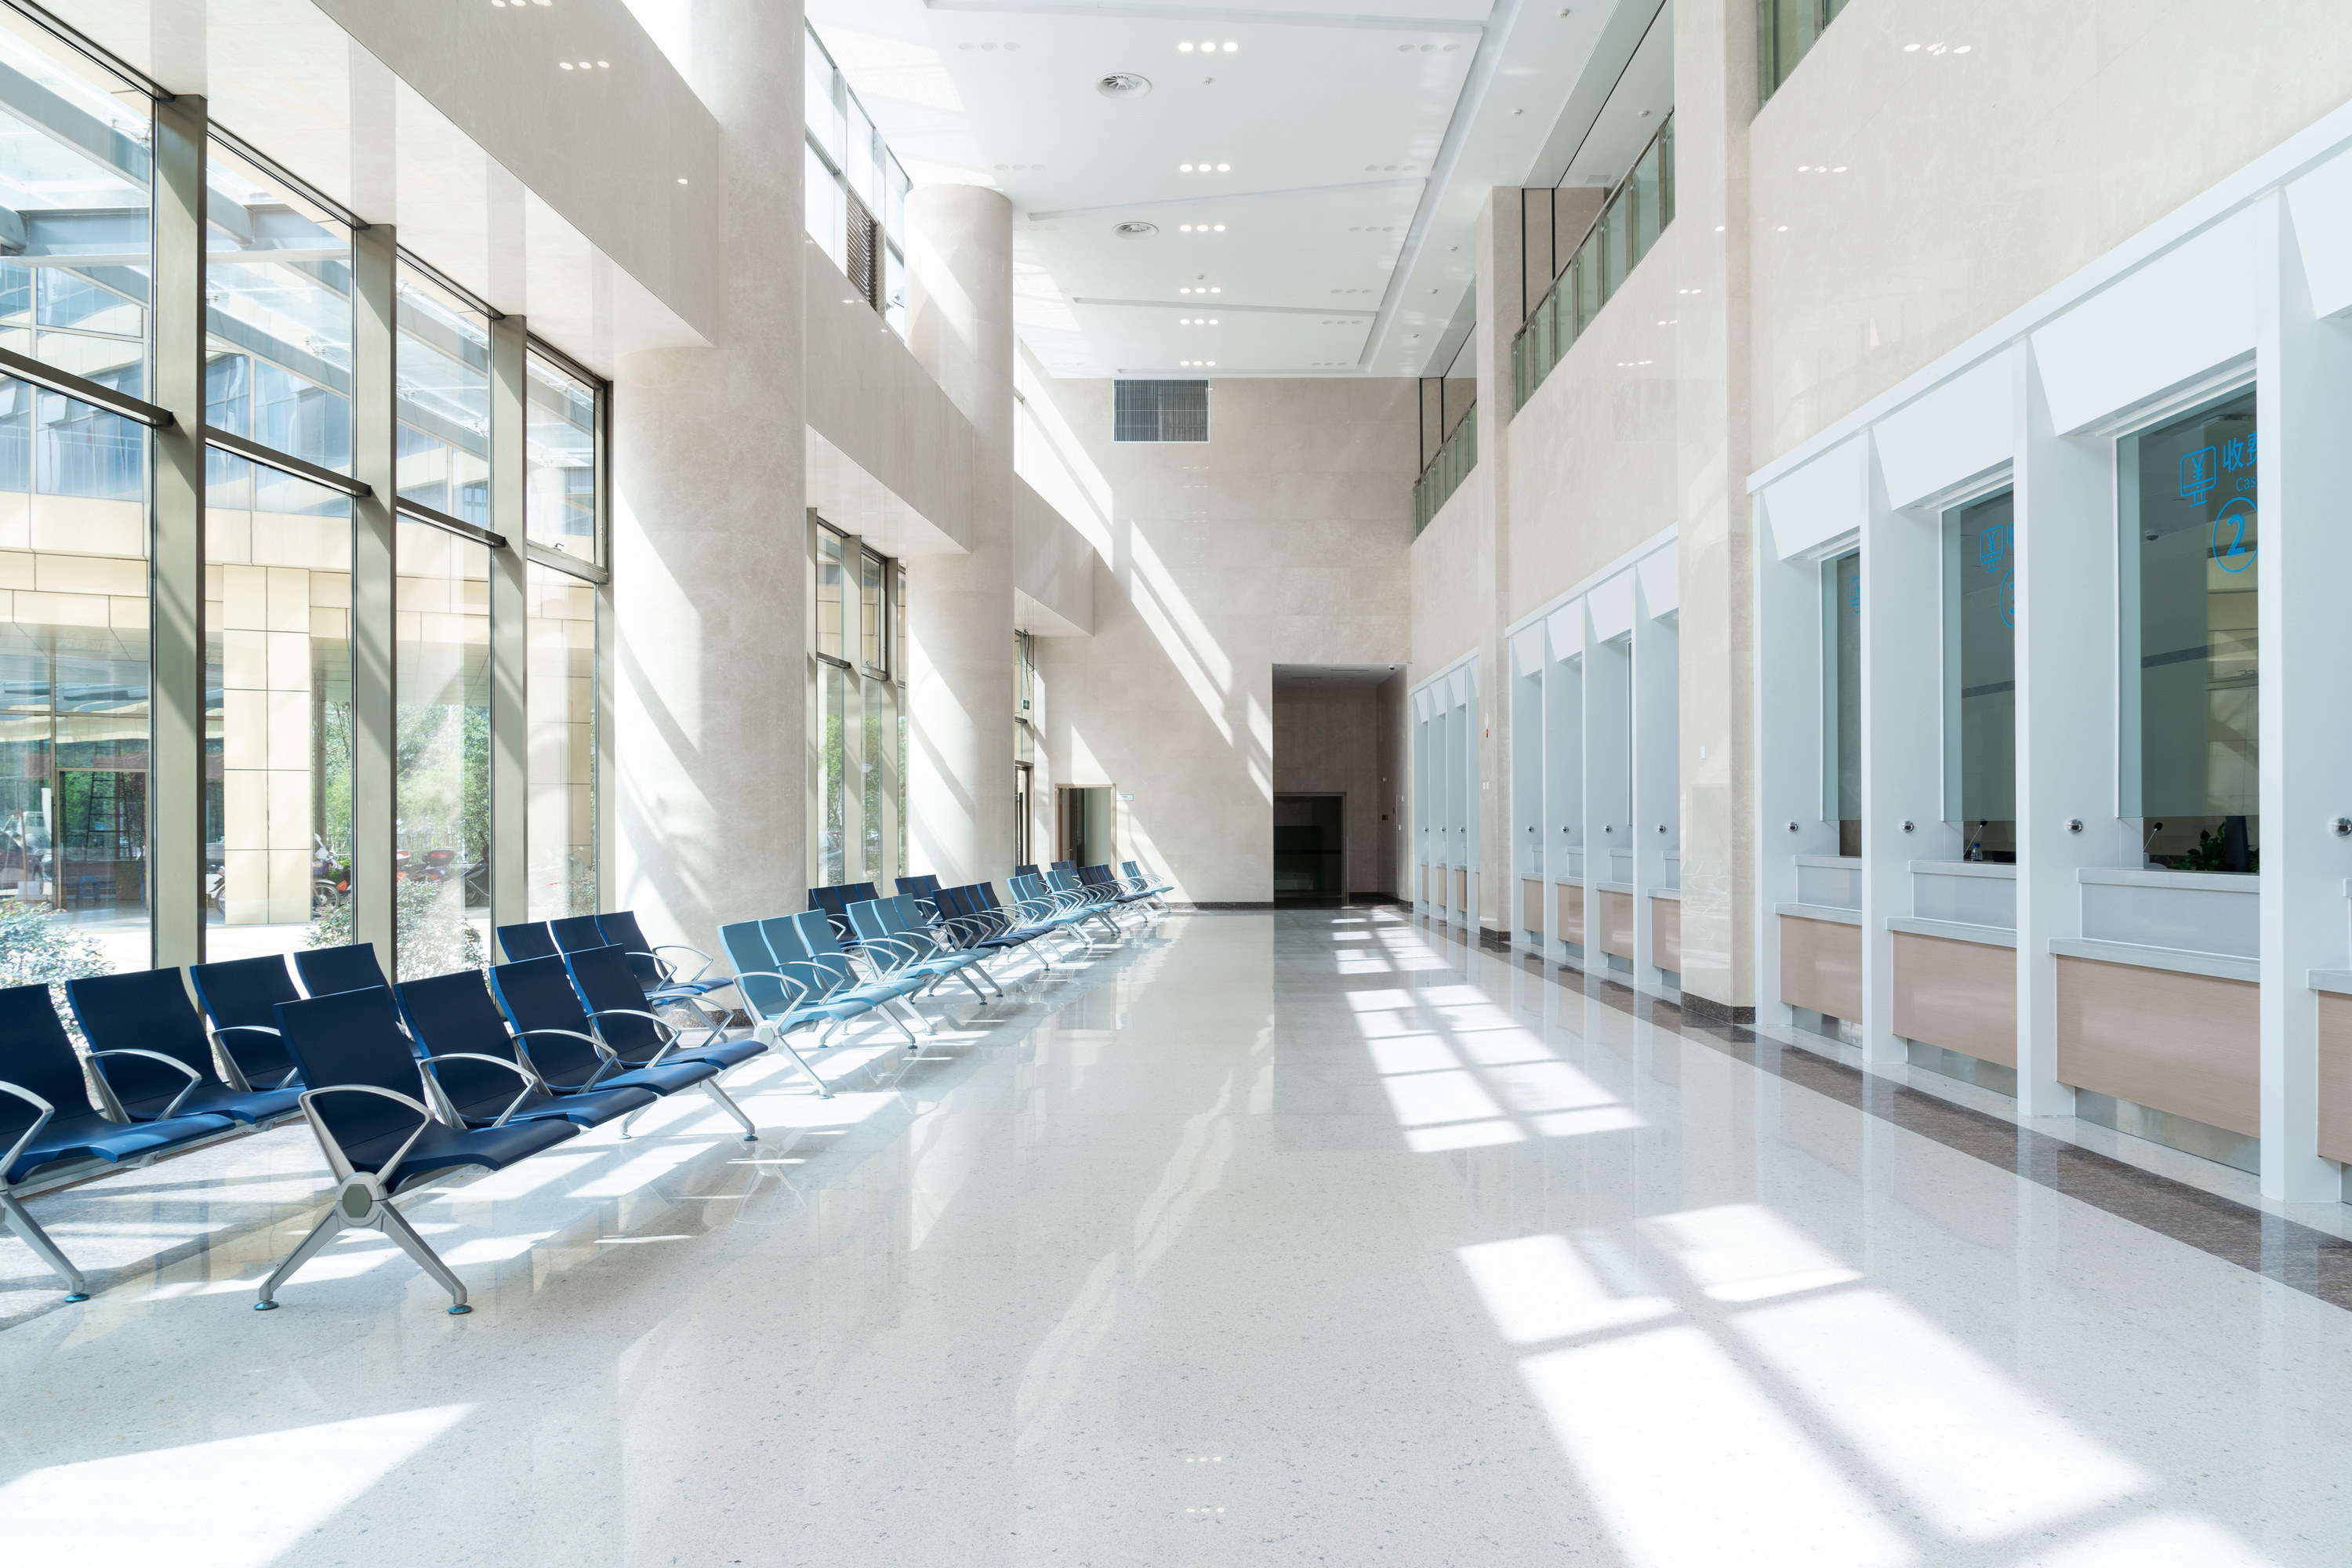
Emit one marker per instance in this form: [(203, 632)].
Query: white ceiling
[(1363, 136)]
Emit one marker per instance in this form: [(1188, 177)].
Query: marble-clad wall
[(1284, 539)]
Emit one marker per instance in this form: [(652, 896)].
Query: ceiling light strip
[(1235, 15), (1221, 198), (1481, 75), (1181, 305)]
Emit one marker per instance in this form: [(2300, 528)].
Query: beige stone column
[(709, 611), (1715, 90), (1499, 263), (960, 614)]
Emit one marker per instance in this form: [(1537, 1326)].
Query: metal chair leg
[(394, 1224), (711, 1087), (48, 1251), (330, 1225), (786, 1047)]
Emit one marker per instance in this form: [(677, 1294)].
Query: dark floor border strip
[(2296, 1256)]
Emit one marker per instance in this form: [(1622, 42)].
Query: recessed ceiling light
[(604, 65), (681, 179), (1183, 228), (1185, 48), (1910, 48), (1225, 168), (566, 64), (1184, 168), (1217, 290), (1232, 46), (1219, 227)]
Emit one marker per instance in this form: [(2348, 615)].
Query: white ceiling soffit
[(1618, 102), (1332, 674), (1362, 138)]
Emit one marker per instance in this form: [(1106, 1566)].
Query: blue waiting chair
[(325, 971), (660, 977), (471, 1058), (808, 947), (617, 1010), (889, 933), (925, 891), (581, 933), (45, 1117), (778, 1001), (241, 997), (377, 1133), (1149, 887), (153, 1057), (971, 924), (562, 1046), (526, 939)]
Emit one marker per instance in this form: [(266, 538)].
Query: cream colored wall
[(1453, 597), (1284, 539), (1592, 453), (1973, 182)]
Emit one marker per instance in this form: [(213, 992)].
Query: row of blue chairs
[(167, 1073), (401, 1083)]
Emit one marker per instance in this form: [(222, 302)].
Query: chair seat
[(667, 1079), (823, 1012), (876, 991), (92, 1136), (593, 1108), (219, 1099), (724, 1054), (440, 1148)]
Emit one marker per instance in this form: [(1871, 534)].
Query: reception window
[(1841, 698), (1981, 676), (2191, 664)]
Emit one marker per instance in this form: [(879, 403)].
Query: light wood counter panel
[(1666, 934), (1961, 996), (1820, 966), (1617, 923), (1571, 912), (1530, 904), (2336, 1076), (2189, 1044)]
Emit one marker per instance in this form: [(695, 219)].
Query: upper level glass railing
[(1638, 212), (1446, 471), (1785, 31)]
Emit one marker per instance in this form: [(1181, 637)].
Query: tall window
[(861, 711), (442, 748), (1639, 211), (2191, 664), (1785, 33), (1841, 698), (1981, 676), (854, 189), (559, 460), (443, 359), (560, 698)]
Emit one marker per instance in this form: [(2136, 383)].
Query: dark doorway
[(1310, 843), (1086, 822)]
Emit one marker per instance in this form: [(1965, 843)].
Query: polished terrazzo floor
[(1314, 1238)]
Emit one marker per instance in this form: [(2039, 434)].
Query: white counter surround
[(1620, 865), (1970, 892), (1832, 912), (1954, 930), (1674, 859), (2190, 911), (1833, 881), (2178, 960), (1674, 893)]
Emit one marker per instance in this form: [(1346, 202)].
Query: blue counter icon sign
[(2234, 536), (2199, 471)]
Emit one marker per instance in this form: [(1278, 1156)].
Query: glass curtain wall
[(276, 771), (1786, 31), (1981, 676), (854, 189), (2192, 663), (74, 657), (1841, 698)]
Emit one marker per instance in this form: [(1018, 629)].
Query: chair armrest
[(8, 1160), (194, 1078), (671, 1036), (340, 1163), (522, 1036), (530, 1079), (800, 987)]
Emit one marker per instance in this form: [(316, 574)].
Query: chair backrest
[(242, 993), (984, 895), (1061, 881), (788, 939), (1134, 873), (451, 1014), (1066, 865), (1095, 875), (609, 986), (536, 993), (36, 1054), (818, 940), (866, 920), (352, 967), (749, 955), (620, 929), (1027, 886), (353, 1036), (925, 891), (574, 933), (145, 1010), (1019, 871), (903, 918), (528, 939)]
